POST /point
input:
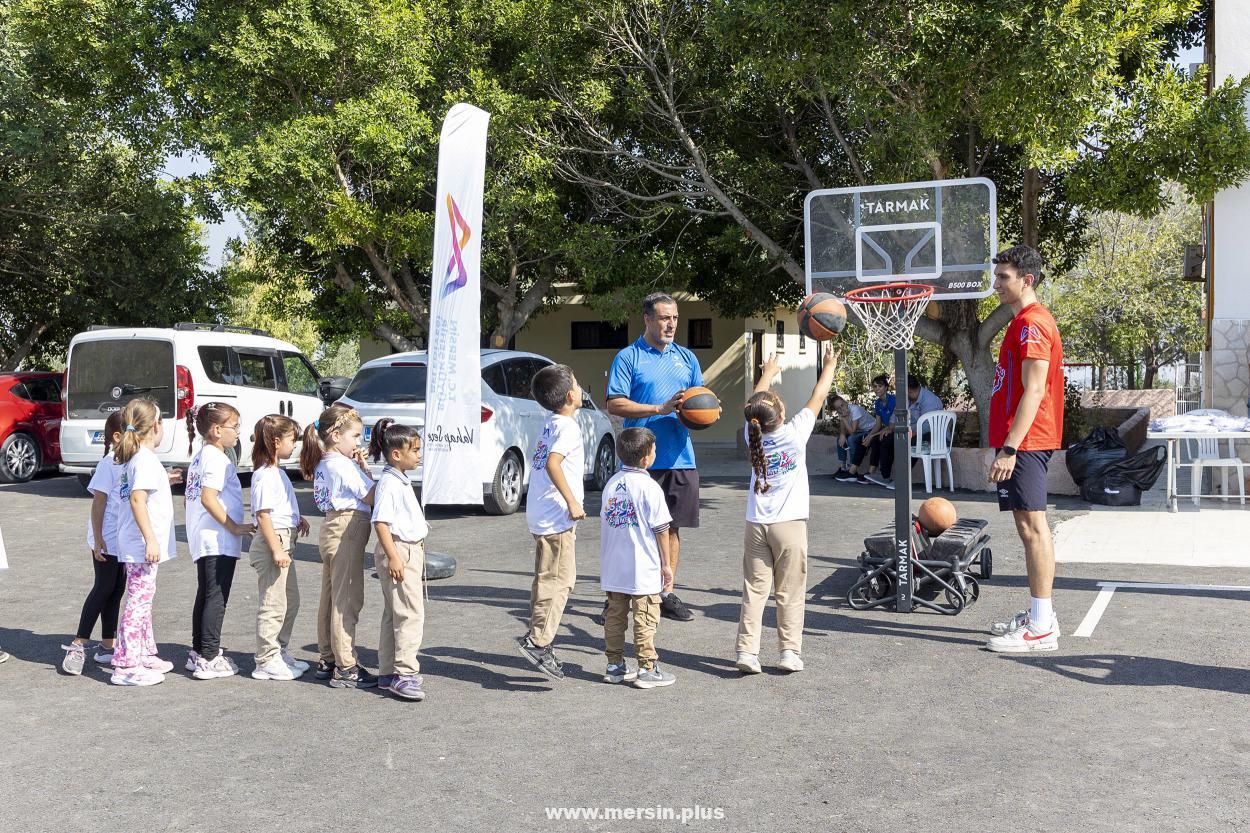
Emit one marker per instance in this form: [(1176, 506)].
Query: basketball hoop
[(889, 312)]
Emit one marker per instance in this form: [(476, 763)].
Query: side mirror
[(331, 388)]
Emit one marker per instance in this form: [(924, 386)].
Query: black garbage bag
[(1091, 455), (1122, 483)]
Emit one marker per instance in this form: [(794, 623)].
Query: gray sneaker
[(619, 673), (544, 659), (407, 687), (75, 657), (654, 677)]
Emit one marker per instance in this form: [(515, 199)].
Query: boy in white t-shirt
[(553, 508), (635, 563)]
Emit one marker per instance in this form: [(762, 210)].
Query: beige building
[(729, 351)]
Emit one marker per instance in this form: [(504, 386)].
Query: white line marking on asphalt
[(1107, 590)]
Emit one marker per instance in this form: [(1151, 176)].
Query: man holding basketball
[(645, 386), (1026, 426)]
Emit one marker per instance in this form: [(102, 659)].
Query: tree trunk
[(19, 354), (1101, 370), (1028, 208), (1148, 382)]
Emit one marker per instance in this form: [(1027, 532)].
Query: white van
[(180, 367)]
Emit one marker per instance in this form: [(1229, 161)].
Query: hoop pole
[(902, 484)]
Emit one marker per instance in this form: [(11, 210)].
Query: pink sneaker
[(155, 663)]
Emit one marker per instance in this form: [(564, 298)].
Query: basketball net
[(890, 312)]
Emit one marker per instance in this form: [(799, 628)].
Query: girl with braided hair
[(775, 545), (343, 490)]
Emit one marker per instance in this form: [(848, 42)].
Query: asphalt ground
[(899, 721)]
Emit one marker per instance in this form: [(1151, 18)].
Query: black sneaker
[(544, 659), (354, 677), (325, 670), (672, 607), (861, 480), (843, 476)]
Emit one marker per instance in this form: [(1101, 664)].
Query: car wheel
[(19, 458), (504, 496), (605, 465)]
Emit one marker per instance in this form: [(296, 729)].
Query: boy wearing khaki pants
[(553, 508)]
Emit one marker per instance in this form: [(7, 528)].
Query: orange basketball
[(699, 408), (937, 514), (821, 316)]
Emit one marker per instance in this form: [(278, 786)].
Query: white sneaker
[(104, 656), (748, 663), (274, 669), (136, 676), (213, 669), (75, 656), (790, 661), (1021, 618), (193, 659), (296, 665), (234, 666), (879, 480), (1024, 639)]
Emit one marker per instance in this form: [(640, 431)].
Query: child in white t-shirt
[(775, 545), (343, 490), (634, 560), (215, 530), (399, 558), (553, 508), (145, 539), (278, 524)]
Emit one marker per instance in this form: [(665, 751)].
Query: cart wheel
[(972, 590), (864, 593), (986, 562), (955, 601)]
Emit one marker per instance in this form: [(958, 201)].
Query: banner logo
[(460, 234)]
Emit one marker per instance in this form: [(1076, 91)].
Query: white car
[(394, 386), (180, 367)]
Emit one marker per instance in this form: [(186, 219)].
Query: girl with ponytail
[(343, 490), (775, 545)]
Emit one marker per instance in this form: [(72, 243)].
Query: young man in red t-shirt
[(1026, 426)]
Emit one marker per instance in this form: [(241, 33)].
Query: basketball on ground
[(937, 514), (699, 408), (821, 316)]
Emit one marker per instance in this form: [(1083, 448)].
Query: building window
[(599, 335), (699, 334), (781, 336)]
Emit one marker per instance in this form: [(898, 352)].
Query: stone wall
[(1160, 401), (1228, 383)]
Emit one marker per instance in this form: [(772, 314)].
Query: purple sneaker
[(408, 687)]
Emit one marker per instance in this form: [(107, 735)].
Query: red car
[(31, 409)]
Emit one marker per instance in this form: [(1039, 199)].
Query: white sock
[(1041, 613)]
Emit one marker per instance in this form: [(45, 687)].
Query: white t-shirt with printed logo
[(395, 504), (107, 481), (339, 484), (545, 509), (272, 492), (785, 456), (633, 511), (212, 469), (144, 471)]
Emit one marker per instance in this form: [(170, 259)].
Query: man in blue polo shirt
[(645, 387)]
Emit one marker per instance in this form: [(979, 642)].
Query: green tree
[(1067, 106), (89, 233), (1125, 302)]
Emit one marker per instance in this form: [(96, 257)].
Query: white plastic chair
[(1205, 451), (935, 433)]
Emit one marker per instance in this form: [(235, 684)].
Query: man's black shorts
[(1025, 490), (681, 492)]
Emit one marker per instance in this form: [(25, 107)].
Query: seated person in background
[(880, 440), (855, 424), (920, 401)]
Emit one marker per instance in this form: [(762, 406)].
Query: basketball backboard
[(941, 232)]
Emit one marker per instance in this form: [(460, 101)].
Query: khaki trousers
[(344, 535), (646, 619), (403, 610), (277, 596), (774, 557), (555, 573)]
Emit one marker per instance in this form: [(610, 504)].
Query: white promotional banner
[(453, 392)]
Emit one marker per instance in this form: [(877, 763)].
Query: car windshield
[(106, 374), (389, 384)]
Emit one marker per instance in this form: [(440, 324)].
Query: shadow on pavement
[(1121, 670)]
